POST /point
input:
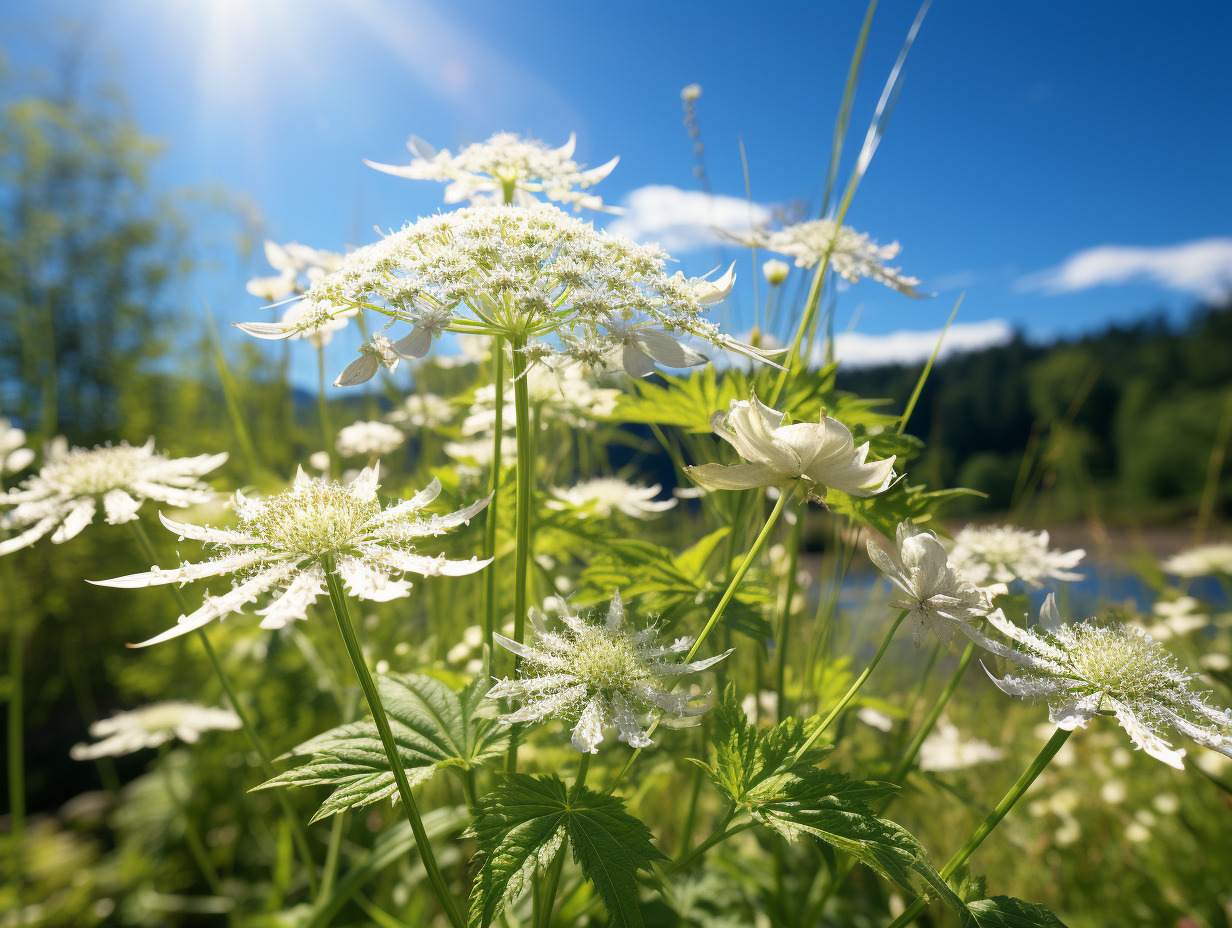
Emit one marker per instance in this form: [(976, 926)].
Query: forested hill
[(1122, 423)]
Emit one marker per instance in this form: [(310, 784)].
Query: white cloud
[(856, 349), (1202, 268), (684, 220)]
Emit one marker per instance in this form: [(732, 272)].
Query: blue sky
[(1025, 136)]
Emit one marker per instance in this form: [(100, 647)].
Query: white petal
[(415, 345), (269, 330), (215, 607), (615, 612), (294, 601), (119, 507), (186, 572), (631, 732), (364, 582), (30, 535), (425, 566), (81, 515), (218, 536), (1146, 739), (735, 476), (361, 370), (589, 730)]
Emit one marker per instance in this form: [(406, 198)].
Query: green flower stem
[(337, 829), (522, 517), (327, 429), (904, 763), (545, 901), (1045, 756), (784, 494), (337, 598), (298, 834), (490, 517), (810, 308), (855, 687), (195, 845), (784, 629)]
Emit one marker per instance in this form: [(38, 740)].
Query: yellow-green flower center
[(314, 519)]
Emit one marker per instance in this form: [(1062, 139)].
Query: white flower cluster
[(64, 495), (367, 439), (946, 749), (563, 391), (852, 254), (505, 168), (1089, 669), (421, 411), (280, 542), (297, 266), (598, 674), (995, 554), (1202, 561), (604, 495), (530, 272), (151, 726), (14, 455)]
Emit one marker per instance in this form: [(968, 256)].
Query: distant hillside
[(1119, 423)]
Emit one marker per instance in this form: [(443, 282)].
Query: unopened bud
[(775, 271)]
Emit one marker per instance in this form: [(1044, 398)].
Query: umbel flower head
[(563, 392), (598, 675), (151, 726), (852, 254), (505, 168), (992, 554), (14, 455), (368, 439), (938, 597), (604, 495), (297, 266), (1090, 668), (280, 542), (65, 494), (1202, 561), (817, 454), (530, 272)]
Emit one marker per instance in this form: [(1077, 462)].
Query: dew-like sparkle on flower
[(313, 519)]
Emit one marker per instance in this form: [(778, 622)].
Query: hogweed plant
[(500, 776)]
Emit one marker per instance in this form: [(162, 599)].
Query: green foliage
[(435, 728), (1008, 912), (521, 826)]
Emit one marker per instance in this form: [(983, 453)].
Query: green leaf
[(521, 826), (1008, 912), (433, 726)]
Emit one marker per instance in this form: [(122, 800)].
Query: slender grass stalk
[(327, 428), (329, 874), (904, 763), (337, 598), (490, 517), (784, 495), (784, 629), (919, 384), (195, 845), (522, 516), (298, 835), (984, 829)]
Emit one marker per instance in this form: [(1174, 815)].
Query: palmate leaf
[(1008, 912), (433, 726), (676, 584), (520, 827)]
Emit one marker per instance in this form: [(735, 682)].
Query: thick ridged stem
[(522, 516), (490, 517), (337, 598)]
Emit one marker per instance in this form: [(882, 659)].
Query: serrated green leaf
[(1008, 912), (520, 827), (433, 725)]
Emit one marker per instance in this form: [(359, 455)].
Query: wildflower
[(505, 168), (1176, 617), (939, 598), (604, 495), (533, 273), (1202, 561), (875, 718), (1089, 669), (820, 455), (852, 254), (775, 271), (64, 495), (367, 439), (422, 411), (479, 452), (376, 352), (152, 726), (317, 328), (599, 675), (642, 347), (946, 749), (562, 390), (14, 456), (691, 93), (297, 266), (994, 554), (280, 542)]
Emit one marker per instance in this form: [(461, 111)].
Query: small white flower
[(562, 391), (505, 167), (14, 456), (818, 454), (992, 554), (775, 271), (66, 492), (297, 266), (598, 675), (946, 749), (152, 726), (691, 93), (643, 347), (875, 718), (1176, 618), (604, 495), (376, 352), (764, 703), (422, 411), (1202, 561), (939, 598), (852, 254), (280, 542), (368, 439), (1089, 669)]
